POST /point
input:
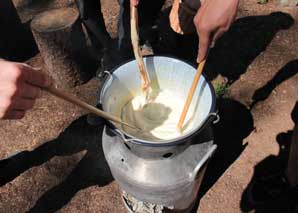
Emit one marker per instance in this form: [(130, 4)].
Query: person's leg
[(92, 17), (292, 168), (124, 26), (100, 39), (148, 12)]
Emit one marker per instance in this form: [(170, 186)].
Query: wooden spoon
[(74, 100), (136, 47), (191, 93)]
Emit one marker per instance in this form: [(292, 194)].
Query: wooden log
[(28, 9), (60, 39)]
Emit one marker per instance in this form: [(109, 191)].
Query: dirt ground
[(56, 161)]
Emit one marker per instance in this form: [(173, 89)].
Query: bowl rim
[(168, 142)]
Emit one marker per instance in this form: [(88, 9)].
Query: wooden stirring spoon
[(74, 100), (136, 47), (191, 93)]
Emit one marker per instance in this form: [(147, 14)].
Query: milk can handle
[(202, 162)]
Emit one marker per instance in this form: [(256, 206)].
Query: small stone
[(220, 80), (242, 78), (146, 50)]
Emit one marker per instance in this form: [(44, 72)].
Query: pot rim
[(168, 142)]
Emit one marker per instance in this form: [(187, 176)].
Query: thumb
[(204, 43)]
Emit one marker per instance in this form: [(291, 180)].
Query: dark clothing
[(148, 12), (92, 17)]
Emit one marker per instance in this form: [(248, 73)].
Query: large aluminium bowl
[(166, 73)]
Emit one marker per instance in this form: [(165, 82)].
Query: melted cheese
[(158, 118)]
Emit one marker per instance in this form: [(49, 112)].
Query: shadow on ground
[(271, 196), (234, 52), (261, 94), (236, 123), (270, 170), (91, 170)]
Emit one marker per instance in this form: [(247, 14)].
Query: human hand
[(212, 20), (134, 2), (19, 87)]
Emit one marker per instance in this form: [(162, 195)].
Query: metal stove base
[(134, 205)]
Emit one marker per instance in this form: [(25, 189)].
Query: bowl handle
[(106, 77), (121, 135), (193, 175), (212, 117)]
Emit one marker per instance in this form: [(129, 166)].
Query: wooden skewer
[(136, 47), (191, 93), (72, 99)]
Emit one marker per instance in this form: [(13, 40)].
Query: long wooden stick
[(136, 47), (191, 93), (72, 99)]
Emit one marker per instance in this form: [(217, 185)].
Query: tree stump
[(28, 9), (60, 39)]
